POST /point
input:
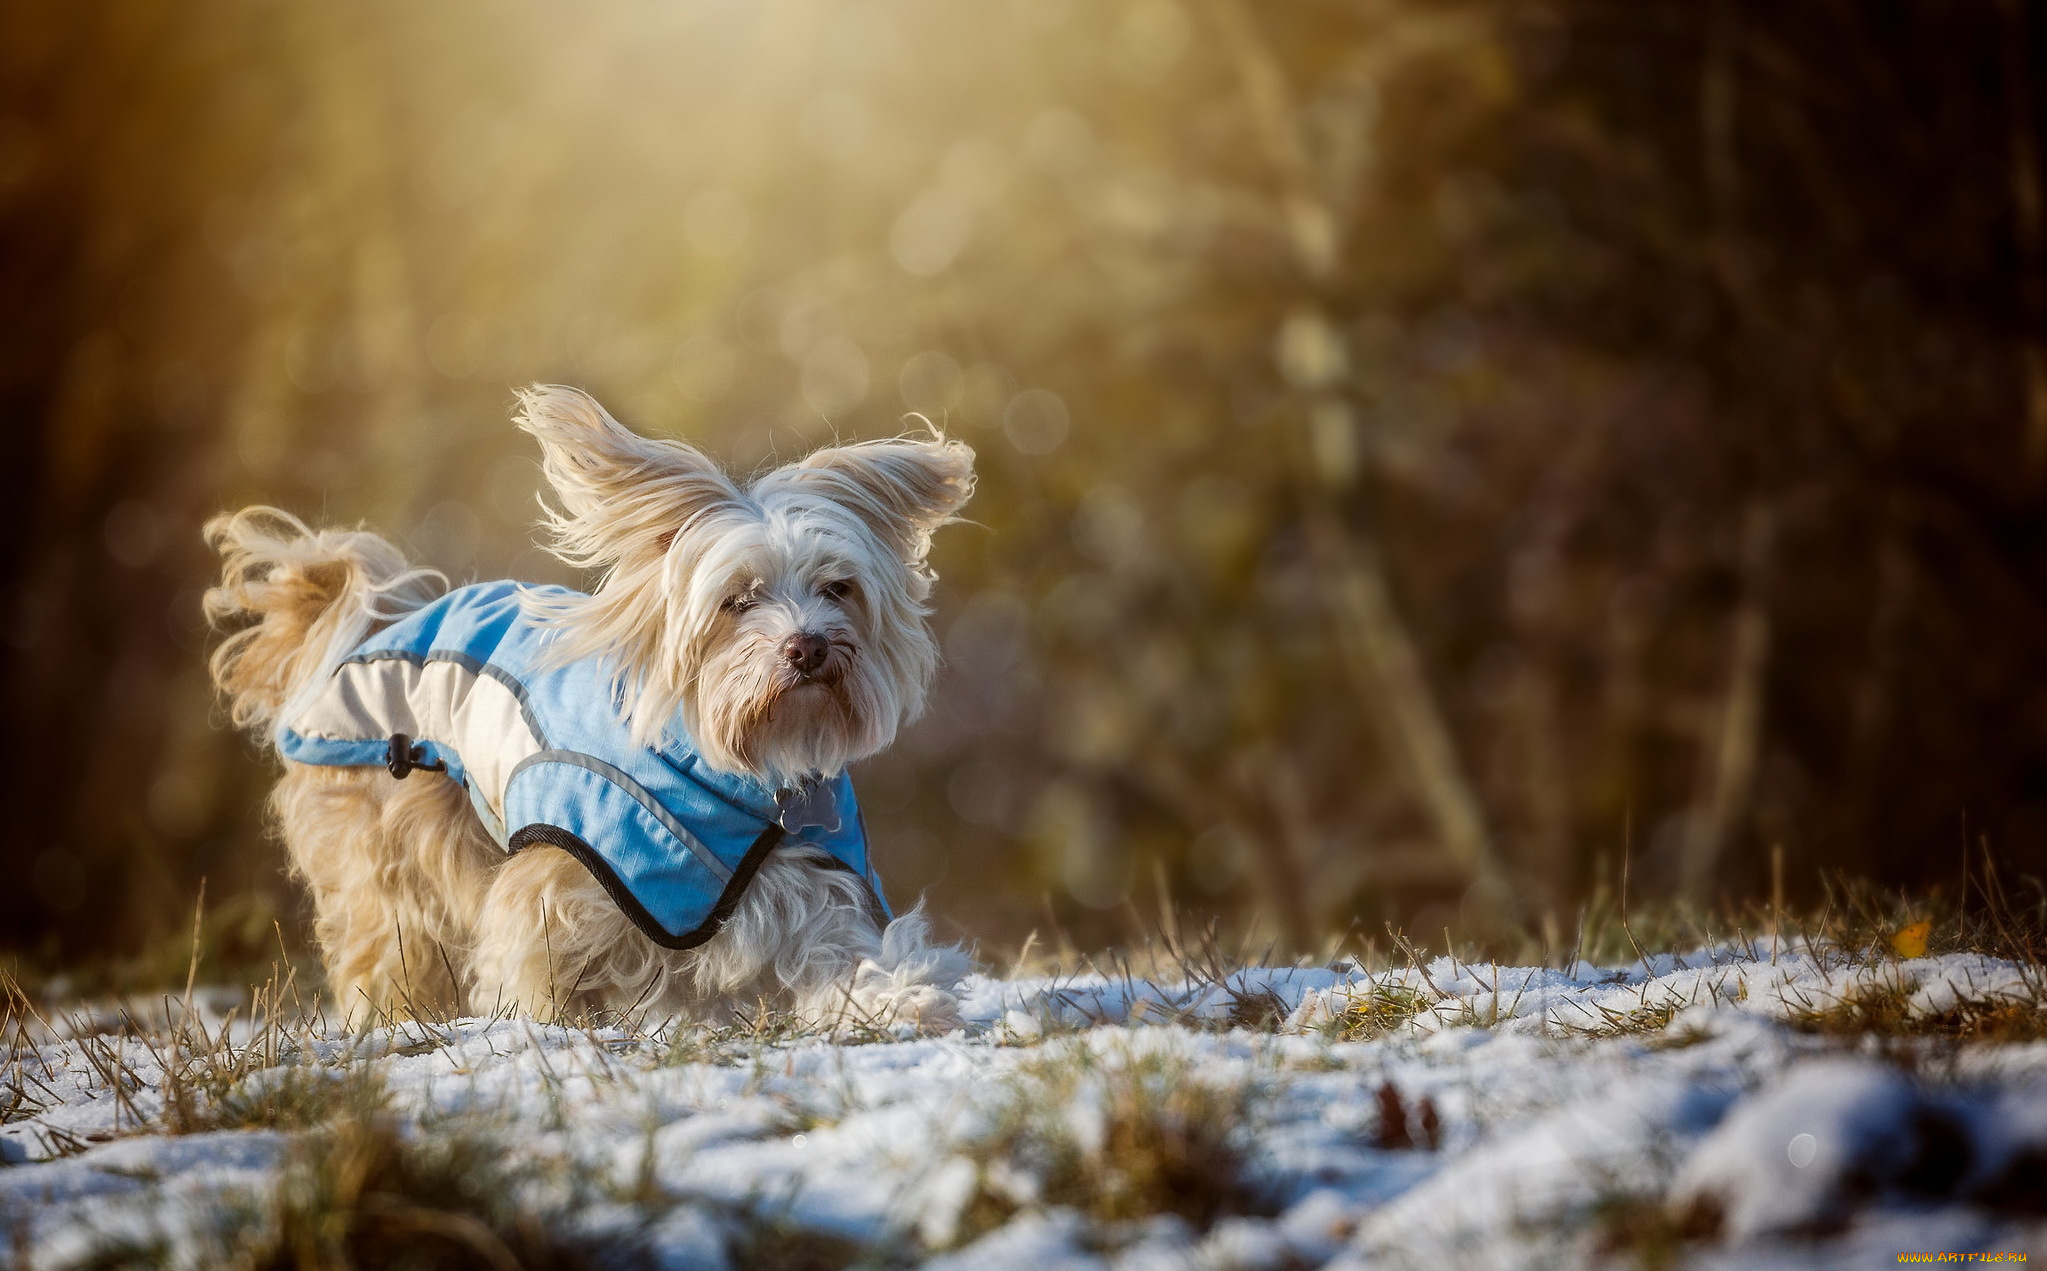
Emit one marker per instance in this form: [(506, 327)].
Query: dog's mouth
[(792, 696), (806, 707)]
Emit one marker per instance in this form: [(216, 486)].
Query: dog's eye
[(740, 603), (837, 589)]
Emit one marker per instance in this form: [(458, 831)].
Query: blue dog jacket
[(462, 685)]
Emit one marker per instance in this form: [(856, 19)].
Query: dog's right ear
[(623, 496)]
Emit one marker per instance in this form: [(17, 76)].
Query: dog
[(693, 847)]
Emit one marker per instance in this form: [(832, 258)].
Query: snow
[(1789, 1159), (1573, 1110)]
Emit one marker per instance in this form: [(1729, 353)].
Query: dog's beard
[(754, 713)]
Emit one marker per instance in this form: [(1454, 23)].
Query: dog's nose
[(806, 652)]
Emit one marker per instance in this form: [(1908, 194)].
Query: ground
[(1740, 1106)]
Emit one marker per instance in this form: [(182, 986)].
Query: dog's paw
[(910, 995), (934, 1012), (904, 988), (909, 1009)]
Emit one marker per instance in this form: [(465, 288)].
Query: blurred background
[(1431, 449)]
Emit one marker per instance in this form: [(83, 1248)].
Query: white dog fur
[(415, 909)]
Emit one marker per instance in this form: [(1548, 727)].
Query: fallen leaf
[(1910, 942)]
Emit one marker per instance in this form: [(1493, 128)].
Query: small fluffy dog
[(744, 645)]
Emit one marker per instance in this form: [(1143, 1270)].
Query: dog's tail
[(313, 595)]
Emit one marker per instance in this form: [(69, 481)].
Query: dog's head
[(784, 623)]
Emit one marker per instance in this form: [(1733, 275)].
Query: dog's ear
[(621, 494), (904, 489)]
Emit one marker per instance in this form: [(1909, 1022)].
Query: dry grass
[(1118, 1139), (1118, 1135), (363, 1189), (740, 1044), (365, 1192), (205, 1077), (1886, 1010), (1380, 1009), (1647, 1018), (1641, 1232), (295, 1097), (766, 1238)]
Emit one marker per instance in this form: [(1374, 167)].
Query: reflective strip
[(474, 665), (577, 759), (455, 702)]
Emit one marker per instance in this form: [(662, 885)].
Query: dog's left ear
[(904, 489)]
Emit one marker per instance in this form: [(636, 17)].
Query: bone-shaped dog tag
[(812, 803)]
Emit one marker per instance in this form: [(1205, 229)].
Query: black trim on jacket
[(728, 900)]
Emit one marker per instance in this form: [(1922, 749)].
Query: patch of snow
[(1556, 1099), (1047, 1241), (1794, 1157)]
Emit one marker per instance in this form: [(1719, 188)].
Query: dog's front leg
[(551, 943), (811, 927)]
